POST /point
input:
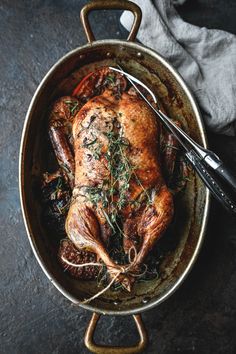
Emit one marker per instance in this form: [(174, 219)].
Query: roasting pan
[(192, 206)]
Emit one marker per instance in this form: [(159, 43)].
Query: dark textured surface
[(35, 318)]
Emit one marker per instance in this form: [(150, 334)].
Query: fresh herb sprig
[(112, 195), (72, 105)]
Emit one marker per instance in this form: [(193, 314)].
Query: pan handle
[(102, 349), (106, 5)]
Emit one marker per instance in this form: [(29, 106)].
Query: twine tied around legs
[(122, 270)]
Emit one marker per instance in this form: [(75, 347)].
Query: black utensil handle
[(224, 172), (215, 188)]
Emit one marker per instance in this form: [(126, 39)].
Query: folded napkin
[(205, 58)]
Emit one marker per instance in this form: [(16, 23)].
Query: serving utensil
[(205, 162)]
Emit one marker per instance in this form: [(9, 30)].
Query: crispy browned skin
[(86, 224)]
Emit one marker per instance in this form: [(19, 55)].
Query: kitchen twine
[(123, 270)]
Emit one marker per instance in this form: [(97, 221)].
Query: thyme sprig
[(72, 105), (112, 194)]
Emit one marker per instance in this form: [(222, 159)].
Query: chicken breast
[(119, 191)]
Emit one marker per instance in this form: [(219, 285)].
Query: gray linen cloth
[(205, 58)]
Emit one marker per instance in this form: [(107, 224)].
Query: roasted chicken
[(107, 143)]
